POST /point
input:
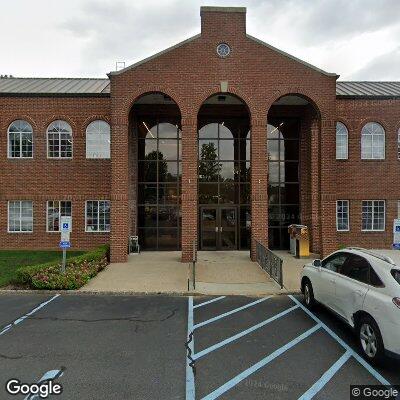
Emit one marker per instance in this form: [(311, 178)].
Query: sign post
[(65, 229), (396, 234)]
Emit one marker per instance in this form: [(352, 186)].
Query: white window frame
[(59, 213), (337, 216), (366, 132), (9, 153), (373, 213), (102, 136), (59, 157), (341, 130), (98, 219), (20, 215)]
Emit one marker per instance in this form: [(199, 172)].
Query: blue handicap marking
[(396, 245), (397, 228), (65, 245), (65, 225)]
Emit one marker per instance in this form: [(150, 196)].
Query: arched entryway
[(155, 126), (224, 140), (293, 121)]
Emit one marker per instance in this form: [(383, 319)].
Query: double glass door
[(218, 227)]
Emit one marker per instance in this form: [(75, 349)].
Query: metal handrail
[(270, 262)]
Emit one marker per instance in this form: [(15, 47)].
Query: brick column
[(189, 187), (119, 189), (315, 185), (259, 184)]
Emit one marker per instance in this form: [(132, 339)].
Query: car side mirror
[(317, 263)]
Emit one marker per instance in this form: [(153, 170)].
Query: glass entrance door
[(218, 228)]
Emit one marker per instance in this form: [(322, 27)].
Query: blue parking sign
[(65, 245)]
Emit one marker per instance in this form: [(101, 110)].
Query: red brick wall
[(41, 179)]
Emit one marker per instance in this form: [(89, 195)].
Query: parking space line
[(19, 320), (230, 312), (190, 388), (326, 377), (262, 363), (364, 363), (243, 333), (209, 302), (48, 376)]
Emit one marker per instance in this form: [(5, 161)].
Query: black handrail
[(270, 263)]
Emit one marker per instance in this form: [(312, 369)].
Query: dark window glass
[(168, 194), (208, 193), (245, 193), (357, 268), (291, 151), (396, 275), (334, 262), (374, 278), (289, 193), (168, 216), (148, 193), (273, 172), (273, 194), (168, 239), (148, 238), (229, 193)]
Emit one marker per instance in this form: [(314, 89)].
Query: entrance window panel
[(291, 172), (147, 171), (148, 193), (168, 194), (273, 194), (289, 215), (274, 239), (208, 193), (227, 172), (148, 238), (209, 171), (291, 150), (289, 193), (273, 172), (245, 193), (168, 239), (244, 171), (229, 193), (168, 217), (168, 171), (147, 216), (209, 218)]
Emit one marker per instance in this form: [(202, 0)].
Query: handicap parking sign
[(65, 245)]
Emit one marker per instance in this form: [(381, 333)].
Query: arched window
[(98, 140), (20, 140), (59, 140), (342, 140), (373, 142)]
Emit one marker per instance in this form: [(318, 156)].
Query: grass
[(11, 260)]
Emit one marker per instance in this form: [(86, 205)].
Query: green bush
[(78, 272)]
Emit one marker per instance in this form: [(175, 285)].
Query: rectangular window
[(98, 216), (20, 216), (55, 210), (20, 145), (342, 215), (373, 215), (341, 146), (398, 208)]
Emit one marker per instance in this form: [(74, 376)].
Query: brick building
[(221, 140)]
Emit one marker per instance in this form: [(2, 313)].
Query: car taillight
[(396, 301)]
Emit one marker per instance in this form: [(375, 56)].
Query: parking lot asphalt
[(133, 347)]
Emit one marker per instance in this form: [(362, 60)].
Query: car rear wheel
[(370, 339), (309, 294)]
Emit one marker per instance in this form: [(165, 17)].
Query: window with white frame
[(98, 140), (373, 215), (98, 216), (373, 142), (59, 140), (20, 216), (55, 210), (342, 139), (342, 215), (20, 140)]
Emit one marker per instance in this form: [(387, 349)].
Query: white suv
[(363, 288)]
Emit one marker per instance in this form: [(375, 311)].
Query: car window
[(334, 262), (396, 275), (356, 267), (374, 278)]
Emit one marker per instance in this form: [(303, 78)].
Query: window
[(20, 140), (342, 215), (20, 216), (357, 268), (98, 216), (396, 275), (59, 140), (373, 142), (334, 262), (55, 210), (373, 215), (98, 140), (342, 136)]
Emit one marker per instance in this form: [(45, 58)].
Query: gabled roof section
[(306, 64), (367, 89), (55, 86), (160, 53)]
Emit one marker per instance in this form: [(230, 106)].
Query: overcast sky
[(358, 39)]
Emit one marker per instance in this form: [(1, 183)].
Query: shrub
[(79, 270)]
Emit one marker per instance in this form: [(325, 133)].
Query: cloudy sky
[(358, 39)]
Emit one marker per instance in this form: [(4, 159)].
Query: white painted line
[(230, 312), (364, 363), (190, 388), (326, 377), (243, 375), (48, 376), (243, 333), (209, 302), (19, 320)]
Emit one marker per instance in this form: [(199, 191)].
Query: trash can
[(299, 240)]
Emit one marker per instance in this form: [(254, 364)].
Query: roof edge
[(223, 9), (152, 57), (306, 64)]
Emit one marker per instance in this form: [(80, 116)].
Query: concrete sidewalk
[(217, 272)]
